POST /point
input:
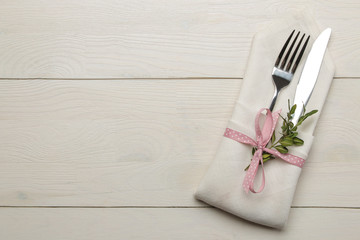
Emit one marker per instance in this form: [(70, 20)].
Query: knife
[(310, 73)]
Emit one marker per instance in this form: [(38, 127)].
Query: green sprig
[(289, 134)]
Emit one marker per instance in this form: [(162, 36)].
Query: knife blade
[(310, 73)]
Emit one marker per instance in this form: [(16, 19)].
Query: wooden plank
[(155, 39), (170, 223), (148, 142)]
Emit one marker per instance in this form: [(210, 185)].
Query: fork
[(283, 72)]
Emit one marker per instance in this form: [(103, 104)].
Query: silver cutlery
[(283, 72), (310, 73)]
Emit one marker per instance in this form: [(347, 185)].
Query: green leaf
[(298, 141), (253, 151), (288, 138), (287, 141), (292, 110), (301, 119), (311, 113), (266, 155), (289, 104), (281, 149), (287, 131), (247, 168), (304, 108), (293, 134), (273, 137)]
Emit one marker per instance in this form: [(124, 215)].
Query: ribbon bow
[(262, 138)]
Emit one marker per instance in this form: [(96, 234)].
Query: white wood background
[(110, 112)]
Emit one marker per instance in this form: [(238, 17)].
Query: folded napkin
[(222, 184)]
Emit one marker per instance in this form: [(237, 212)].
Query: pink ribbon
[(262, 138)]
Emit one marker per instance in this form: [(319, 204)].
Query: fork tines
[(285, 61)]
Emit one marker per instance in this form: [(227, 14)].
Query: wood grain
[(155, 39), (84, 158), (170, 223), (148, 143)]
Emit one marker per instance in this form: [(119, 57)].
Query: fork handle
[(274, 99)]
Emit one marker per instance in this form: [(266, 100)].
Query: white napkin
[(222, 184)]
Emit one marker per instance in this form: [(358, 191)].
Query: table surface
[(110, 112)]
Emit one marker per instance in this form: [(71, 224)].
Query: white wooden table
[(110, 112)]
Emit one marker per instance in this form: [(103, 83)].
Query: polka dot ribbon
[(263, 136)]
